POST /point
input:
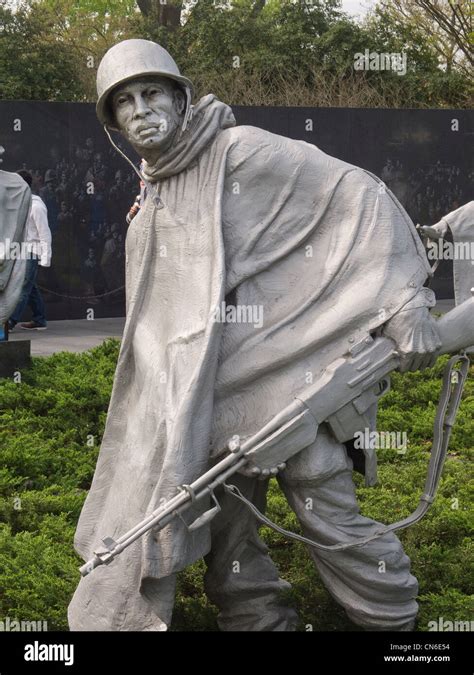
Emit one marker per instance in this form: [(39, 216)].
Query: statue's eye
[(153, 91), (121, 100)]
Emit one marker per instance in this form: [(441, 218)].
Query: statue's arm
[(415, 333)]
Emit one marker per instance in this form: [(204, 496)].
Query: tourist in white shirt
[(38, 236)]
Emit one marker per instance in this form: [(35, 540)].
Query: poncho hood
[(208, 116)]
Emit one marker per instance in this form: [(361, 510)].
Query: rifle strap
[(453, 384)]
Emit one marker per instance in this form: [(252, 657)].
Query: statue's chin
[(152, 146)]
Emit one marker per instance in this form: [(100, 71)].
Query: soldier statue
[(254, 263)]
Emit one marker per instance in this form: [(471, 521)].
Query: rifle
[(342, 398)]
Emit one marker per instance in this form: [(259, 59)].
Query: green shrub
[(51, 425)]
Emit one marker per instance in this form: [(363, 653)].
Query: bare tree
[(455, 18), (448, 23)]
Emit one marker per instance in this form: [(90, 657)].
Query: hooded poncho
[(321, 247)]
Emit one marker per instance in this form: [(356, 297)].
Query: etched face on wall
[(148, 112)]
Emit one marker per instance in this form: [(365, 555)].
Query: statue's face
[(148, 112)]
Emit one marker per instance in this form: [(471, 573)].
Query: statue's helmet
[(129, 60)]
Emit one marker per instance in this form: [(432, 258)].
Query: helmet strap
[(188, 114), (137, 171)]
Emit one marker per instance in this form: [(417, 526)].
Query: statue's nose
[(141, 107)]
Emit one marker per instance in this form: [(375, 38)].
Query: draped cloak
[(321, 246), (461, 224), (15, 204)]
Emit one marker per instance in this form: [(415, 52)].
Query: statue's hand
[(252, 471), (415, 333), (437, 231)]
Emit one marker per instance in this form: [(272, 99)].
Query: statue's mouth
[(147, 131)]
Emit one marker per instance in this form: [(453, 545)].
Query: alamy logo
[(448, 250), (446, 626), (26, 250), (396, 61), (224, 313), (381, 440), (43, 652), (8, 625)]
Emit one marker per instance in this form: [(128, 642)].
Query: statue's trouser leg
[(373, 582), (109, 599), (241, 578)]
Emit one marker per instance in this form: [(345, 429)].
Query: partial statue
[(461, 225), (15, 201)]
